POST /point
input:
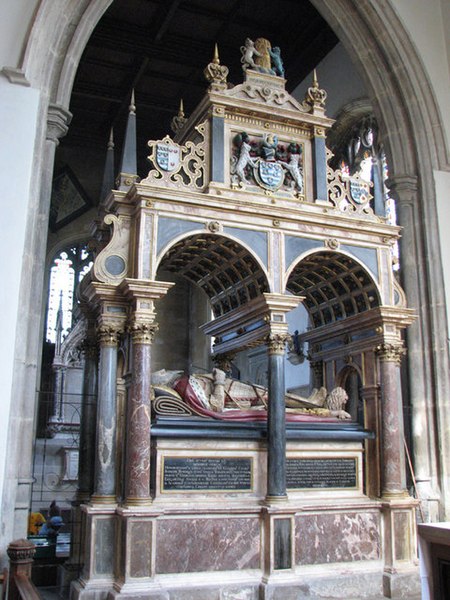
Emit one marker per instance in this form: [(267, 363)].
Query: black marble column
[(276, 420), (86, 460)]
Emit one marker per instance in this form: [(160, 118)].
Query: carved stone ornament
[(179, 120), (111, 264), (332, 243), (315, 96), (176, 165), (21, 551), (277, 342), (214, 226), (143, 332), (108, 334), (215, 73), (349, 195), (267, 163), (391, 352)]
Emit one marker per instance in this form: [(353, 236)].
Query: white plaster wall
[(428, 24), (18, 113), (15, 19), (341, 90), (442, 180)]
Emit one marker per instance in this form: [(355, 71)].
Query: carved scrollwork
[(111, 264), (178, 165), (350, 195)]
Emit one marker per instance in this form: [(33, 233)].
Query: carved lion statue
[(335, 402)]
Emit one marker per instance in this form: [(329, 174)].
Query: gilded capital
[(108, 334), (390, 352), (143, 332), (277, 342)]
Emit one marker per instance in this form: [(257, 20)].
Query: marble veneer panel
[(341, 537), (104, 532), (216, 544), (140, 548)]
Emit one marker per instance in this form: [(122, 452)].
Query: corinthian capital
[(108, 334), (391, 352), (276, 342), (143, 332)]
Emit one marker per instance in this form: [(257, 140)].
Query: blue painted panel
[(169, 228), (295, 246), (256, 240), (368, 256)]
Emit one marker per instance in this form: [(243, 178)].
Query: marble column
[(137, 465), (105, 458), (86, 460), (276, 420), (393, 476)]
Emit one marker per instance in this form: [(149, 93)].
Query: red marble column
[(393, 453), (137, 466)]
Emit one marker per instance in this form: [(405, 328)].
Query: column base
[(136, 502), (405, 584), (95, 499)]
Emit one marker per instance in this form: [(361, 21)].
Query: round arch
[(335, 286), (227, 270)]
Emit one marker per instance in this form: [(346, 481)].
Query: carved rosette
[(391, 352), (276, 342), (108, 334), (143, 332)]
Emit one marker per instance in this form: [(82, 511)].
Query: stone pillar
[(105, 459), (370, 395), (276, 420), (393, 475), (404, 189), (137, 485)]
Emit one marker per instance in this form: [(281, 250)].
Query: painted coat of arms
[(168, 156), (269, 175), (267, 163)]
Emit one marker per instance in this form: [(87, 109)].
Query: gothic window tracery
[(68, 268)]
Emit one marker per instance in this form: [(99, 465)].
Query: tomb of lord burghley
[(240, 256)]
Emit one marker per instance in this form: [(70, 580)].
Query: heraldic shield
[(269, 175), (168, 156)]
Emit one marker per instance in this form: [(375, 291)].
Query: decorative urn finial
[(178, 120)]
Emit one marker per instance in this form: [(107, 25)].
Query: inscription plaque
[(206, 474), (307, 473)]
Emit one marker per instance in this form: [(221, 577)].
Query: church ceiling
[(159, 48)]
